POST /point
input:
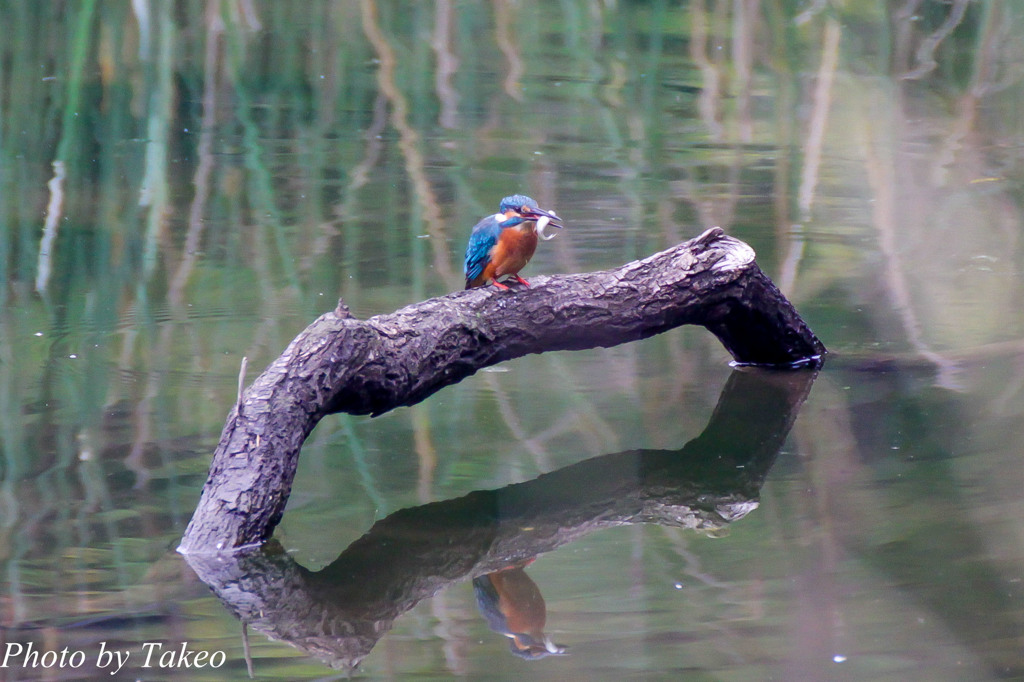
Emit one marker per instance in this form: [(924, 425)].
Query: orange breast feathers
[(513, 251)]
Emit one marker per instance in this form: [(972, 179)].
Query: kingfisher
[(502, 244), (512, 605)]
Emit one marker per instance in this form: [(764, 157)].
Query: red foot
[(500, 285), (521, 280)]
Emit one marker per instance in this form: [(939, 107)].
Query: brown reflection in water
[(513, 606)]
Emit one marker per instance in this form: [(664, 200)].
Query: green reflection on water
[(229, 169)]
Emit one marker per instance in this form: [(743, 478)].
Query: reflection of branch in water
[(503, 32), (243, 11), (339, 613), (821, 104), (447, 64), (732, 604), (154, 192), (358, 176), (54, 211), (881, 177), (710, 88), (201, 180), (68, 140), (426, 453), (579, 418), (816, 7), (409, 144), (819, 117), (261, 186), (926, 51), (745, 22), (983, 75), (515, 425)]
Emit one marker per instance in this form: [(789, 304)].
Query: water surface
[(184, 185)]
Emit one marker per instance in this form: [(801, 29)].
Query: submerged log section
[(342, 364)]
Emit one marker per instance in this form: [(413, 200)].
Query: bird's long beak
[(544, 218), (539, 213)]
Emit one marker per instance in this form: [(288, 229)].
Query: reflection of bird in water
[(513, 606), (502, 244)]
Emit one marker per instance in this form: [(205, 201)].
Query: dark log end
[(759, 326)]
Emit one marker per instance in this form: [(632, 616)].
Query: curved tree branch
[(342, 364)]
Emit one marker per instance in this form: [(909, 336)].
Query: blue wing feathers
[(481, 241)]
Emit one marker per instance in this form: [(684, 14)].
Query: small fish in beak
[(545, 218)]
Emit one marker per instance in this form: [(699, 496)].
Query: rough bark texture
[(340, 612), (342, 364)]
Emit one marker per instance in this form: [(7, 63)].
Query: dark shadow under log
[(340, 612), (342, 364)]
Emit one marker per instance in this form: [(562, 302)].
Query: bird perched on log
[(502, 244)]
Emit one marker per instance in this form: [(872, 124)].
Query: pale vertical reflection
[(243, 10), (794, 253), (503, 30), (710, 92), (409, 144), (426, 453), (76, 67), (815, 8), (447, 65), (201, 181), (745, 22), (154, 194), (813, 144), (54, 211), (141, 10), (359, 176), (819, 117), (451, 629), (882, 180), (837, 497)]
